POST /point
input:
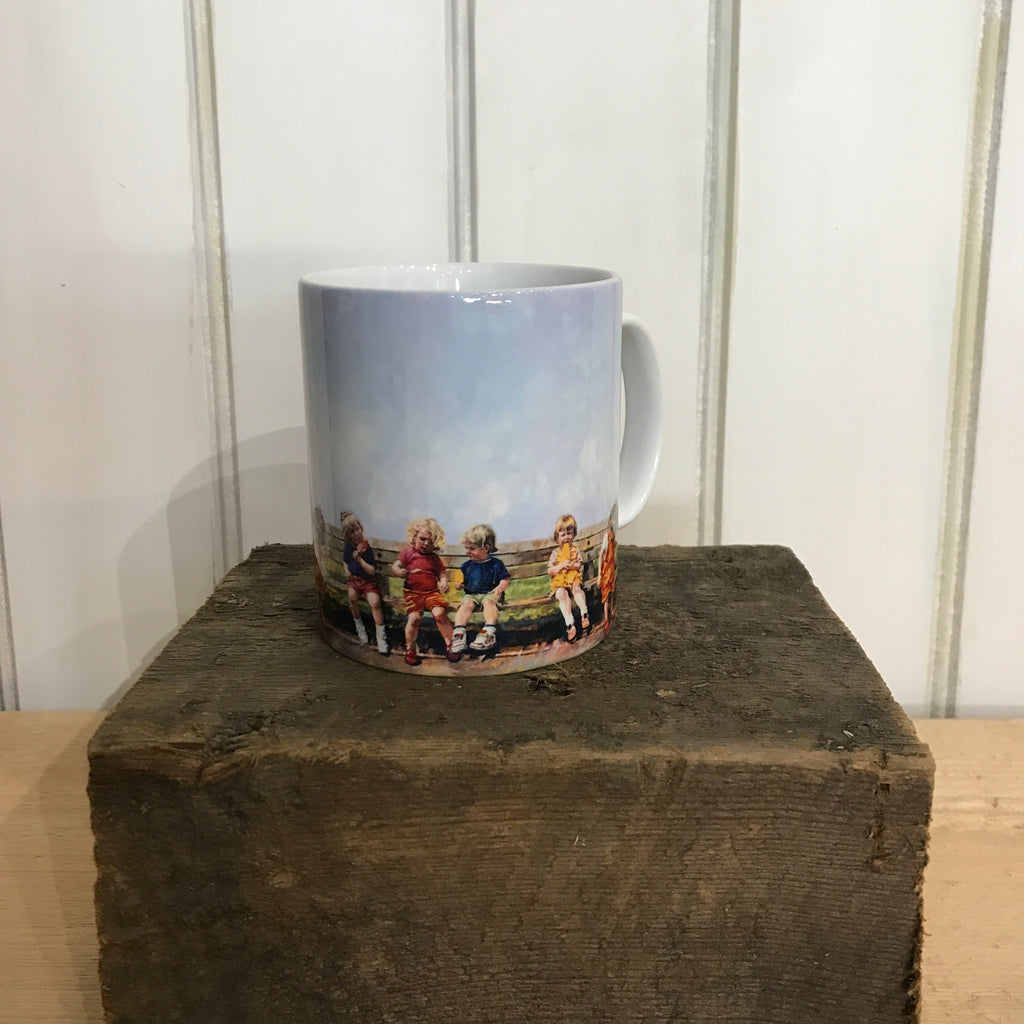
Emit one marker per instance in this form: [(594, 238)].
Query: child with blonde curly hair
[(565, 567), (425, 582)]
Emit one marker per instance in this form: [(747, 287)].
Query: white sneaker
[(485, 641), (361, 632), (383, 647), (459, 642)]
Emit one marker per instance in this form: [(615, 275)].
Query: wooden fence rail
[(529, 614)]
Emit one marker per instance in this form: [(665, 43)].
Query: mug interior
[(458, 277)]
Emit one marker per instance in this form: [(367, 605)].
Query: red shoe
[(411, 657), (452, 656)]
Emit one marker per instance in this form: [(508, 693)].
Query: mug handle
[(641, 439)]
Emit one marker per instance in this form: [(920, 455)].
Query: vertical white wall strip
[(966, 357), (717, 262), (211, 276), (8, 666), (462, 214)]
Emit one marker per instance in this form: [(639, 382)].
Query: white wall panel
[(590, 129), (332, 126), (852, 130), (102, 408), (333, 152), (992, 646)]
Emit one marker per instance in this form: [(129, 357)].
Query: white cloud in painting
[(426, 422)]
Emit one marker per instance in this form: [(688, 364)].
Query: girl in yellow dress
[(566, 571)]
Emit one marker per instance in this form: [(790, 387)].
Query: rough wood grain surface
[(719, 814)]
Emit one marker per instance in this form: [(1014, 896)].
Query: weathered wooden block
[(719, 814)]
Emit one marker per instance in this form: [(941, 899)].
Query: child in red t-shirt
[(425, 583)]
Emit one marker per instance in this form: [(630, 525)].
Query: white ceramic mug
[(468, 470)]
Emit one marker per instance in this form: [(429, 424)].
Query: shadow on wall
[(168, 567)]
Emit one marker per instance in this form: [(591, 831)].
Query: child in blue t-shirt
[(484, 582)]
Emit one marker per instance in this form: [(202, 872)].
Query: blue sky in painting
[(468, 409)]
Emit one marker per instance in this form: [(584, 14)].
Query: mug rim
[(373, 277)]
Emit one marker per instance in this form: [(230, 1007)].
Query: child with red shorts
[(362, 580), (425, 583)]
